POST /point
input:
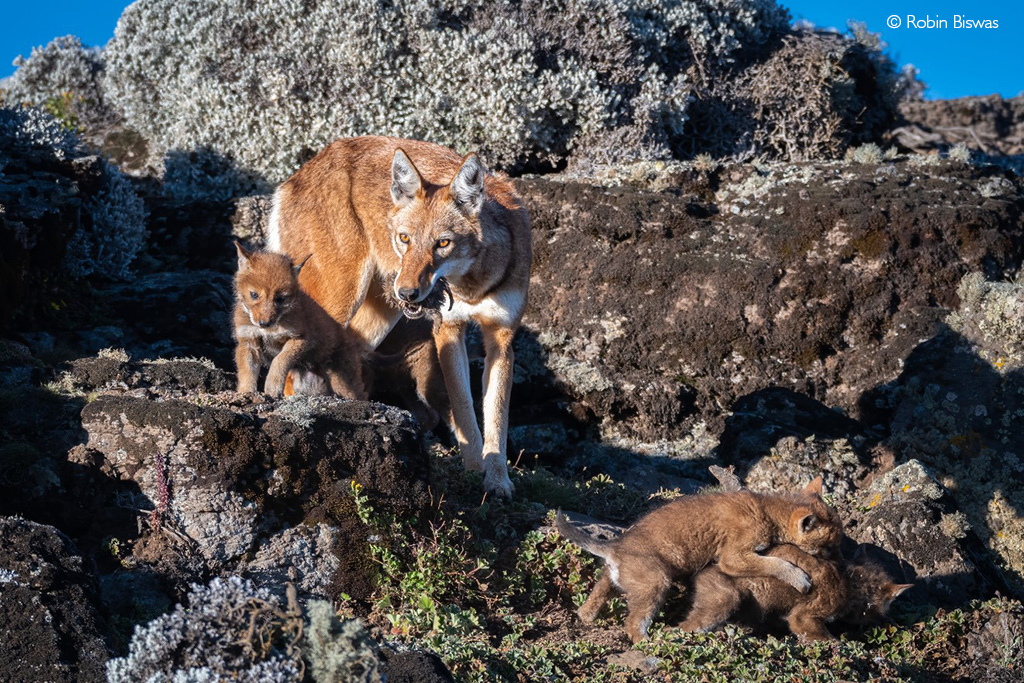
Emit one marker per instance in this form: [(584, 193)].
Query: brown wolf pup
[(858, 592), (402, 227), (682, 537), (276, 323)]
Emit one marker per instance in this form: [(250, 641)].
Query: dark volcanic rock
[(229, 478), (991, 124), (818, 278), (908, 514), (113, 371), (176, 314), (49, 628), (41, 195)]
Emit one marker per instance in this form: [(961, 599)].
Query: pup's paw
[(798, 579)]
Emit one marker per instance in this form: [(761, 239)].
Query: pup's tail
[(570, 533)]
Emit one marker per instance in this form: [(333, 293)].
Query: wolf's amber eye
[(403, 238), (441, 244), (253, 295)]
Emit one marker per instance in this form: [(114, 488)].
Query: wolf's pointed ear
[(406, 182), (298, 267), (467, 187), (814, 488), (243, 256)]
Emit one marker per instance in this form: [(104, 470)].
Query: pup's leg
[(248, 359), (806, 625), (603, 590), (282, 363), (715, 599), (740, 560), (645, 586)]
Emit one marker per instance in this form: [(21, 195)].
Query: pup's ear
[(467, 188), (244, 256), (860, 554), (809, 522), (814, 488), (406, 182), (298, 268), (896, 589)]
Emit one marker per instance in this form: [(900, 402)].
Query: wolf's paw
[(472, 460), (498, 484)]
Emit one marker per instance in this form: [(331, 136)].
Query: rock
[(230, 478), (113, 370), (176, 314), (957, 407), (822, 281), (780, 440), (411, 666), (303, 555), (908, 514), (49, 627), (992, 124)]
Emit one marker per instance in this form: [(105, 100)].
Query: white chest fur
[(500, 308)]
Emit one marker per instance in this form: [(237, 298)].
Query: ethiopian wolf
[(402, 226)]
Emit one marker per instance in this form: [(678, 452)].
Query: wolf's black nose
[(408, 293)]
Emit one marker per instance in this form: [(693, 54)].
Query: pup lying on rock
[(685, 536)]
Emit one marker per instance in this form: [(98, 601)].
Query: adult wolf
[(395, 225)]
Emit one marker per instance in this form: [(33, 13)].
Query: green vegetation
[(446, 585)]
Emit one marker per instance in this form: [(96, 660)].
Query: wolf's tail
[(592, 545)]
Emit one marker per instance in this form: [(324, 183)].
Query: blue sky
[(953, 61)]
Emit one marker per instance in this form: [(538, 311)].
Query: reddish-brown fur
[(384, 219), (276, 323), (686, 535), (859, 592)]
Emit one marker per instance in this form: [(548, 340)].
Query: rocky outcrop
[(49, 627), (990, 124), (817, 278), (234, 483)]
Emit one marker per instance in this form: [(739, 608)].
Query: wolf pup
[(276, 323), (684, 536), (856, 591), (402, 227)]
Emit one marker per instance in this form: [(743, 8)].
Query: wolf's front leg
[(451, 349), (498, 368), (280, 366)]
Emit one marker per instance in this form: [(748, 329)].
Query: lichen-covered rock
[(50, 631), (112, 371), (780, 440), (958, 406), (230, 476), (303, 554), (818, 278), (908, 514)]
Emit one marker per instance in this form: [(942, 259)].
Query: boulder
[(266, 487), (49, 626)]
